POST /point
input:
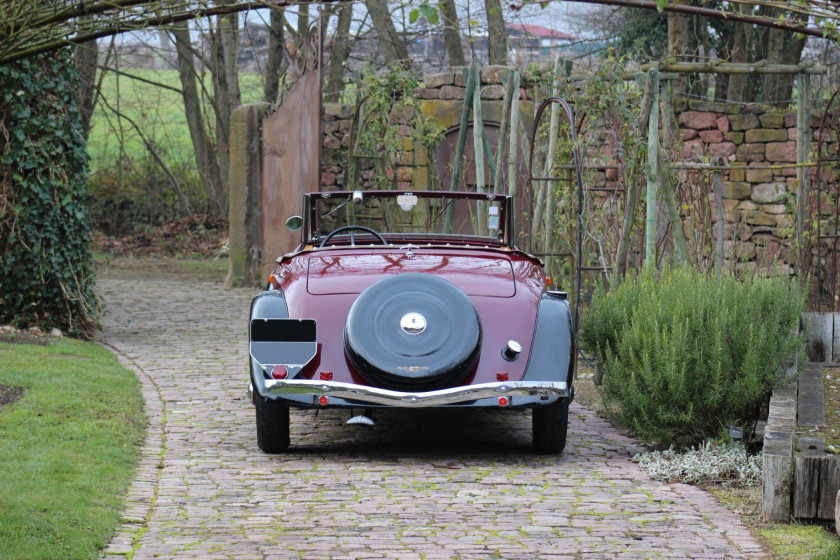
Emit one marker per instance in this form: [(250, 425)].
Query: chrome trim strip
[(375, 395)]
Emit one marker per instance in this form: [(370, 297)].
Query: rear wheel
[(272, 425), (550, 424)]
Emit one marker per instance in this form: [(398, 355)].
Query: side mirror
[(294, 223)]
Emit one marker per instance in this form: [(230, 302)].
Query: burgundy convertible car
[(409, 299)]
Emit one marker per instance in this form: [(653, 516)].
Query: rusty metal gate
[(291, 150)]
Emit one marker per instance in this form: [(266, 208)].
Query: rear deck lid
[(475, 275)]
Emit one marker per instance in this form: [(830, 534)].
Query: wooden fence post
[(653, 170), (803, 174), (514, 134)]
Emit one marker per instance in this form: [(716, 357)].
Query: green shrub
[(684, 354)]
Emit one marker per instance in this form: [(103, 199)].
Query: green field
[(68, 449), (158, 112)]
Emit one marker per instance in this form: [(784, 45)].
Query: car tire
[(272, 425), (443, 351), (550, 424)]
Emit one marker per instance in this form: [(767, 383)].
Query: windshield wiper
[(336, 209)]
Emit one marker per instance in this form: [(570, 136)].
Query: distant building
[(535, 43)]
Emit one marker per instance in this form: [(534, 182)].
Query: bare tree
[(276, 51), (86, 59), (496, 34), (392, 45), (203, 147), (340, 50), (452, 33)]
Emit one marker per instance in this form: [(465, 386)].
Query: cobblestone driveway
[(421, 484)]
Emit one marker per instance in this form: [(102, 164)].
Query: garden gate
[(291, 150)]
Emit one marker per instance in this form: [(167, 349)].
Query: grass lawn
[(158, 111), (68, 448)]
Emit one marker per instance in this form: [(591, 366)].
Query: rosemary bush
[(685, 354)]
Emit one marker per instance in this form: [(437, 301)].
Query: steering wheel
[(352, 230)]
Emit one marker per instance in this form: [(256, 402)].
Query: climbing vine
[(46, 269), (387, 127)]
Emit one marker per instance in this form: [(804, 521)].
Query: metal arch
[(825, 276), (579, 180)]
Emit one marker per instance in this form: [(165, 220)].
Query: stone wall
[(759, 191), (758, 143), (441, 100)]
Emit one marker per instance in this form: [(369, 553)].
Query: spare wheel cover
[(413, 332)]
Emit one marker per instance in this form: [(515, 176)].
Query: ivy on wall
[(46, 269)]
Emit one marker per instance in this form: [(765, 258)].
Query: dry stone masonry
[(758, 143), (759, 192)]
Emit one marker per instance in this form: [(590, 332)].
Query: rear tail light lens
[(326, 375), (502, 376), (503, 401), (323, 401), (279, 372)]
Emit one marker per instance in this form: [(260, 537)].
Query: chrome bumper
[(453, 395)]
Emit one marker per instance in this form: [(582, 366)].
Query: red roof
[(539, 31)]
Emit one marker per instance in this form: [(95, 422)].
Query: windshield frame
[(311, 220)]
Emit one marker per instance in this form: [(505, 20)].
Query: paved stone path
[(425, 484)]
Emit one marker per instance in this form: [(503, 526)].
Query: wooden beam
[(760, 67)]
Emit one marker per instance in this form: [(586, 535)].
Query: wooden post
[(803, 174), (667, 93), (471, 74), (777, 472), (514, 134), (507, 83), (562, 68), (719, 225), (633, 192), (653, 170), (478, 145)]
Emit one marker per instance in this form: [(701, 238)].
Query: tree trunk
[(678, 44), (276, 52), (225, 97), (452, 33), (392, 46), (736, 91), (303, 20), (340, 50), (203, 148), (86, 58), (496, 33), (792, 55), (229, 34), (773, 54)]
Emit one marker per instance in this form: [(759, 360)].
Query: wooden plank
[(777, 472), (820, 336), (718, 67), (829, 488), (777, 475), (837, 513), (806, 486), (811, 398), (810, 445)]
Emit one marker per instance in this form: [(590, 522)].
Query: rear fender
[(553, 347), (265, 305)]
